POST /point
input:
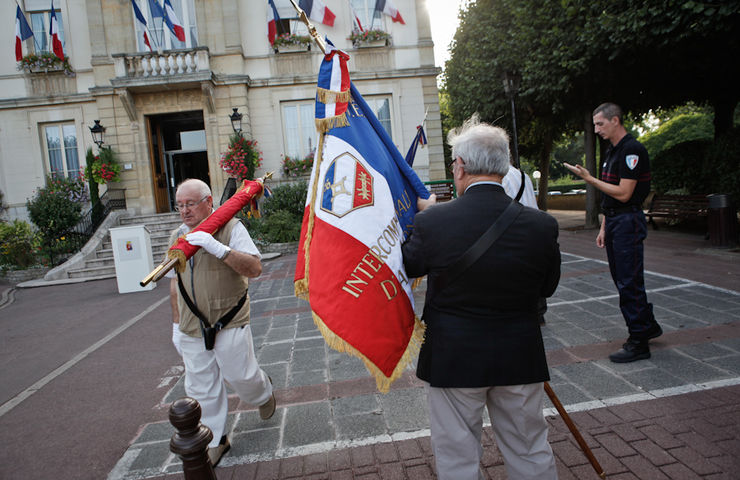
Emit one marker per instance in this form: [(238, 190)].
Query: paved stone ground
[(676, 415)]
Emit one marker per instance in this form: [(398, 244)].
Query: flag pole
[(574, 430), (311, 29)]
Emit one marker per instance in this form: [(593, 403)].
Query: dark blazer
[(482, 328)]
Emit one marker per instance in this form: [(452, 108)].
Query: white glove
[(207, 242), (176, 336)]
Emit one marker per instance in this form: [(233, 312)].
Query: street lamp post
[(536, 175), (511, 87), (97, 132), (236, 121)]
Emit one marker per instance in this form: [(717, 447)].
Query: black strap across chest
[(479, 247), (223, 321)]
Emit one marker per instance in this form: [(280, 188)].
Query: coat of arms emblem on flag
[(360, 206)]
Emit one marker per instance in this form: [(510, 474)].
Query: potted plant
[(298, 167), (241, 159), (369, 38), (291, 42), (45, 62)]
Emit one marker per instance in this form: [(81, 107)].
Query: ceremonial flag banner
[(272, 21), (359, 209), (317, 11), (419, 139), (56, 44), (173, 23), (22, 32), (387, 7), (142, 22)]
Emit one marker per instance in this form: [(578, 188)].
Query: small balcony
[(183, 68)]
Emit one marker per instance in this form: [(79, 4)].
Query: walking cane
[(574, 430)]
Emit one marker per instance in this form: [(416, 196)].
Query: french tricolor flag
[(317, 11), (142, 22), (56, 44), (387, 7), (173, 23), (360, 207), (273, 19), (22, 32)]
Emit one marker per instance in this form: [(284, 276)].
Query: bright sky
[(443, 16)]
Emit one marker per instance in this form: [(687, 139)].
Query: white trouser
[(519, 427), (232, 359)]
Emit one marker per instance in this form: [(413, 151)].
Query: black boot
[(631, 351)]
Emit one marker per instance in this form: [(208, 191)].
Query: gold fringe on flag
[(382, 382), (332, 96), (323, 125), (300, 287)]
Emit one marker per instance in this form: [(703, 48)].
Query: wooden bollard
[(190, 441)]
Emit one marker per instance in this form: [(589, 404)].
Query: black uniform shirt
[(626, 159)]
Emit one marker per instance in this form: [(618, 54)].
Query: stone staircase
[(102, 265)]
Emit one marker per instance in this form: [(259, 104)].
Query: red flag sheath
[(182, 250)]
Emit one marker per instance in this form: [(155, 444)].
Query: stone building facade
[(166, 112)]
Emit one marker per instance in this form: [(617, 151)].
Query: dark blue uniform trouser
[(623, 237)]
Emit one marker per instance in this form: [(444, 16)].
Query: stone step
[(151, 219), (97, 272)]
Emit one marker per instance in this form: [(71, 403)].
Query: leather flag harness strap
[(209, 333)]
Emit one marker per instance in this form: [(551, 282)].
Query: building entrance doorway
[(178, 152)]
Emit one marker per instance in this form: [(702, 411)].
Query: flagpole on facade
[(311, 29)]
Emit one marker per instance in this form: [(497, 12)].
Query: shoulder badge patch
[(632, 161)]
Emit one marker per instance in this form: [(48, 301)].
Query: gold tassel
[(417, 281), (332, 96), (323, 125), (179, 255)]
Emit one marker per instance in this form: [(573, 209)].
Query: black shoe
[(630, 352), (654, 331)]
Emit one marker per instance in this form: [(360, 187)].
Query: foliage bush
[(700, 166), (679, 129), (282, 215), (57, 208), (18, 245), (294, 167)]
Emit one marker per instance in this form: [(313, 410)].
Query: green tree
[(681, 128)]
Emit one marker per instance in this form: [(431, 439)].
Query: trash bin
[(722, 220)]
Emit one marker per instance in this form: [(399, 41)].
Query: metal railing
[(75, 238)]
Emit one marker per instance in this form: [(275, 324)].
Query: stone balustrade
[(168, 63)]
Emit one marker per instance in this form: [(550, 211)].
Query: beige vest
[(217, 287)]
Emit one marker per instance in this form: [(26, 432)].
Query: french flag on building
[(356, 19), (359, 209), (317, 11), (56, 44), (22, 32), (142, 22), (173, 23), (419, 139), (273, 19), (387, 7)]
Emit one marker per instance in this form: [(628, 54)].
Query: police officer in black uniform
[(625, 182)]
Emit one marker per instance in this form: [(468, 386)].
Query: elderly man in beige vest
[(215, 281)]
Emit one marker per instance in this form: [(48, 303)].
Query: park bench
[(677, 207), (444, 189)]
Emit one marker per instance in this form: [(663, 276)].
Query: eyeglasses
[(183, 206), (451, 164)]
